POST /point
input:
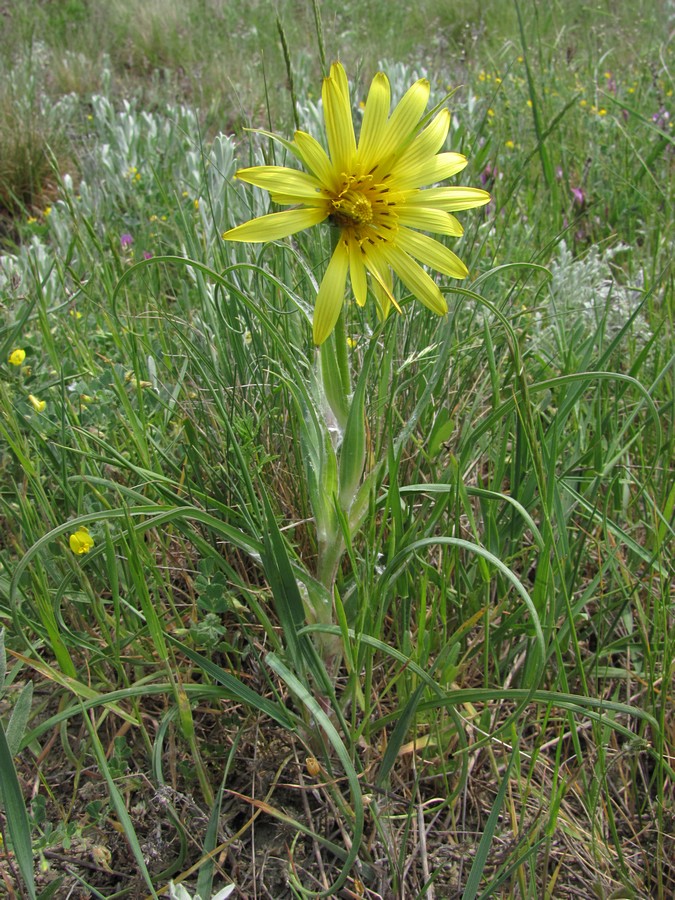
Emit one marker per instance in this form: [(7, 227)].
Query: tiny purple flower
[(579, 196), (147, 254), (661, 118), (126, 240)]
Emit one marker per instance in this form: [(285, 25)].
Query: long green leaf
[(17, 817), (487, 837), (119, 805), (325, 724), (235, 688)]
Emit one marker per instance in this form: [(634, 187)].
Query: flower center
[(365, 209), (352, 208)]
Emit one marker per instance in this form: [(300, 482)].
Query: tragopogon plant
[(375, 193)]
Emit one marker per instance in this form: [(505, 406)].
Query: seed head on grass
[(373, 193)]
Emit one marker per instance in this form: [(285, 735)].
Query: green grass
[(501, 724)]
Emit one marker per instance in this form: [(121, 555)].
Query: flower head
[(578, 195), (372, 193), (16, 357), (37, 404), (81, 541), (126, 240)]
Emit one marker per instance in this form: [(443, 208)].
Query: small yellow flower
[(31, 220), (37, 404), (490, 113), (196, 204), (47, 212), (16, 357), (520, 59), (602, 111), (509, 145), (81, 541), (185, 194), (583, 103), (529, 103), (313, 766), (75, 313)]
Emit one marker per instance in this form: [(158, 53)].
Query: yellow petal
[(282, 180), (428, 171), (373, 127), (405, 119), (276, 225), (416, 279), (315, 158), (357, 272), (293, 200), (431, 253), (430, 220), (338, 119), (331, 294), (382, 283), (450, 198), (425, 145)]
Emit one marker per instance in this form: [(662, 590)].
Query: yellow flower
[(81, 541), (47, 211), (372, 193), (16, 357), (509, 145), (37, 404)]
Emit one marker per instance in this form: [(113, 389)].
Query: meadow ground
[(389, 619)]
